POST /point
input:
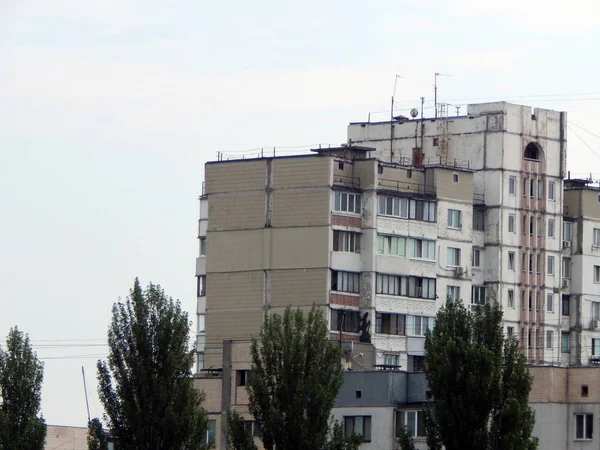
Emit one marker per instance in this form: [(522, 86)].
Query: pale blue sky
[(109, 110)]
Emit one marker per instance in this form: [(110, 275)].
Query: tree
[(339, 441), (295, 377), (237, 435), (478, 381), (21, 376), (146, 386), (405, 441), (96, 439)]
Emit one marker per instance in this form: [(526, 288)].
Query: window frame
[(596, 274), (390, 206), (476, 260), (596, 237), (349, 281), (340, 197), (512, 219), (550, 231), (549, 302), (586, 432), (346, 241), (202, 240), (390, 324), (401, 419), (201, 286), (348, 326), (454, 219), (453, 292), (387, 243), (565, 342), (511, 261), (512, 185), (510, 301), (549, 338), (550, 265), (366, 431), (478, 295), (552, 191), (453, 257)]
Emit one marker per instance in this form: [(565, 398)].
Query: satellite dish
[(414, 112)]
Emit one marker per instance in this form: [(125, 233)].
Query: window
[(524, 224), (512, 185), (478, 295), (453, 218), (551, 228), (393, 206), (596, 237), (584, 426), (349, 320), (359, 425), (566, 268), (358, 394), (538, 263), (530, 301), (530, 263), (242, 378), (211, 432), (595, 347), (391, 360), (345, 281), (523, 299), (453, 257), (346, 202), (341, 165), (390, 324), (455, 177), (552, 190), (203, 246), (510, 332), (201, 286), (251, 428), (511, 223), (422, 210), (550, 265), (549, 302), (540, 190), (346, 241), (511, 261), (532, 151), (391, 245), (403, 285), (584, 390), (531, 219), (414, 421), (418, 325), (380, 169), (531, 188), (524, 187), (529, 338), (201, 319), (567, 231), (511, 298), (478, 216), (549, 337), (453, 293), (523, 265), (416, 364), (476, 257), (596, 274), (421, 248), (564, 342), (596, 310), (538, 226)]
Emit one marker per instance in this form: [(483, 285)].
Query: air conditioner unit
[(566, 244), (566, 282), (593, 324)]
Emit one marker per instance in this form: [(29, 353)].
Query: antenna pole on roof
[(435, 77)]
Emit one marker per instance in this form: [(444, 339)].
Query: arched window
[(533, 151)]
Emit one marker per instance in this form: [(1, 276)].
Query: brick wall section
[(236, 211), (235, 176), (345, 221), (300, 287), (212, 392), (579, 376), (235, 290), (345, 300), (234, 324)]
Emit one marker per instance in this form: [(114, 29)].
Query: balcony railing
[(405, 186), (446, 162), (346, 180)]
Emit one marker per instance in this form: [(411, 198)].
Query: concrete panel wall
[(235, 176), (212, 391), (309, 171), (221, 325), (235, 290), (447, 188), (239, 211), (299, 287), (301, 208), (232, 251), (299, 247), (590, 204)]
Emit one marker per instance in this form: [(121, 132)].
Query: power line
[(584, 143), (587, 131)]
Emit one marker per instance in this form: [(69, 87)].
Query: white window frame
[(510, 302), (366, 431), (549, 302), (346, 281), (549, 338), (476, 258), (339, 198), (202, 245), (551, 225), (512, 185), (478, 295), (453, 293), (386, 245), (583, 434), (596, 274), (418, 325), (550, 264), (346, 241), (552, 191), (392, 206), (512, 223), (596, 237), (511, 261), (421, 249), (453, 257), (404, 420), (454, 219)]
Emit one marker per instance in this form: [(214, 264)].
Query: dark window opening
[(243, 378), (347, 320), (436, 141), (584, 390), (358, 394), (380, 170), (533, 151), (341, 165)]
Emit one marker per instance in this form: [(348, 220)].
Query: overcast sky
[(109, 109)]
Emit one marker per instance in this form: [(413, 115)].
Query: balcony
[(444, 161), (407, 187), (348, 181)]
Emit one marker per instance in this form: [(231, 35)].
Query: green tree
[(237, 435), (146, 386), (339, 441), (295, 378), (21, 376), (405, 441), (478, 381), (96, 439)]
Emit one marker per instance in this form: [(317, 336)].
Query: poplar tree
[(146, 386), (478, 381), (21, 376), (296, 375)]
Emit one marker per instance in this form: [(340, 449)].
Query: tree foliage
[(479, 383), (295, 377), (96, 439), (21, 376), (237, 435), (339, 440), (146, 386), (405, 441)]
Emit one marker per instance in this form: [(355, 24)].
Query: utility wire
[(587, 131), (584, 143)]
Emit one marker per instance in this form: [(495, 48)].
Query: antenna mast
[(392, 119), (435, 77), (87, 404)]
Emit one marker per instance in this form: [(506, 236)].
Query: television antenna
[(436, 75)]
